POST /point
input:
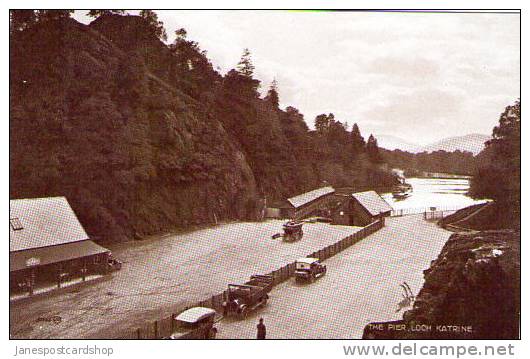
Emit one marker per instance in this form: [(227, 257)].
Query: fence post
[(138, 334), (172, 325)]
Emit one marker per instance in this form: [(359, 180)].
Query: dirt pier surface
[(362, 285), (162, 275)]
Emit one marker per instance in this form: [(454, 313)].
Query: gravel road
[(361, 286), (160, 275)]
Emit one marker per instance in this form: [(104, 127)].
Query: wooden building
[(280, 209), (48, 245), (315, 202), (360, 209)]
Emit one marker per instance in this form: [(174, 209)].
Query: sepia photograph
[(264, 174)]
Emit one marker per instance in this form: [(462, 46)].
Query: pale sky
[(421, 77)]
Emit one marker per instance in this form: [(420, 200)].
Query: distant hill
[(472, 143), (390, 142)]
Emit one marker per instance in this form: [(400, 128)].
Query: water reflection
[(434, 192)]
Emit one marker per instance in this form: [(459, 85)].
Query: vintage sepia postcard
[(275, 174)]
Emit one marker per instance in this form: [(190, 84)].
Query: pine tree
[(357, 140), (372, 150), (245, 66), (272, 95)]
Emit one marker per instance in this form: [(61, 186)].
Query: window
[(16, 225)]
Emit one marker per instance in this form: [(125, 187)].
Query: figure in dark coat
[(262, 330)]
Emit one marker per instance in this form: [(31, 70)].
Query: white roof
[(307, 260), (194, 314), (374, 203), (307, 197), (45, 222)]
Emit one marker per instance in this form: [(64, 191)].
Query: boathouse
[(48, 245), (360, 209), (315, 202)]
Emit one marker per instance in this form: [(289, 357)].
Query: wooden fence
[(435, 215), (164, 327), (423, 210)]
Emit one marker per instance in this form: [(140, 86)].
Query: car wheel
[(264, 301), (243, 313)]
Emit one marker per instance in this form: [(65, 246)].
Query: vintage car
[(243, 298), (194, 323), (114, 264), (292, 231), (308, 269)]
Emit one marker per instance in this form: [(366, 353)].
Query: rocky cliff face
[(132, 154), (472, 290), (144, 137)]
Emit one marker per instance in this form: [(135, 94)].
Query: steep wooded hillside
[(142, 137)]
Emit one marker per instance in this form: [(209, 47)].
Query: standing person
[(262, 330)]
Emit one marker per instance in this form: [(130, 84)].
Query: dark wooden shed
[(360, 209)]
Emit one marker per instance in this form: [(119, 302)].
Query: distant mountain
[(390, 142), (473, 143)]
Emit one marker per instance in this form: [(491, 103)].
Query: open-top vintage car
[(308, 269), (243, 298), (292, 231), (195, 323), (113, 263)]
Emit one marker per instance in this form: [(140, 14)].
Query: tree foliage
[(142, 137), (372, 149), (457, 162), (20, 20), (105, 12), (245, 66), (357, 140), (499, 175), (272, 95), (156, 26)]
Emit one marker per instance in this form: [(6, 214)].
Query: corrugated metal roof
[(374, 203), (48, 255), (308, 197), (45, 222)]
